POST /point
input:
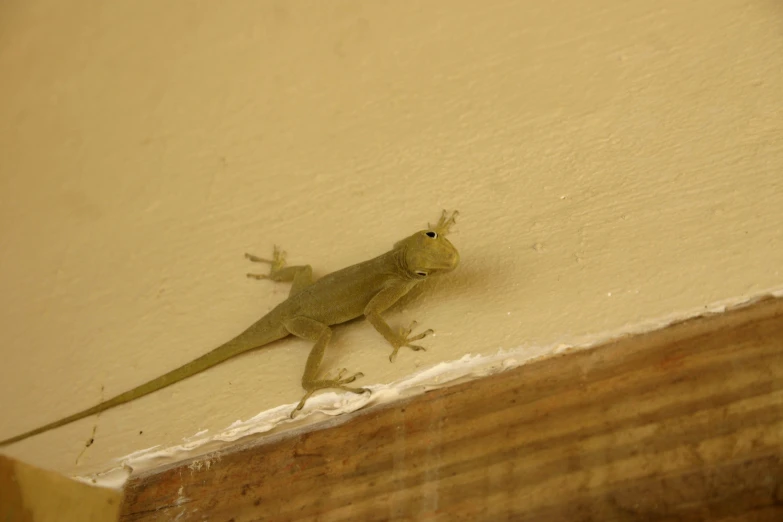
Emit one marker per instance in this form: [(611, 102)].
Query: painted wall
[(615, 163)]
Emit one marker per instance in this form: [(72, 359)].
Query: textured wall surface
[(614, 162)]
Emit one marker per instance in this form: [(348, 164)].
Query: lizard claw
[(323, 384), (277, 263), (444, 224), (405, 340), (338, 379), (421, 336)]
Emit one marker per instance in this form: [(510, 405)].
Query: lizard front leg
[(301, 276), (402, 338), (321, 334)]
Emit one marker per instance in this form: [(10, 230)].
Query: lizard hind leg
[(321, 334)]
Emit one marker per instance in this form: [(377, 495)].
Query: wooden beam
[(684, 423)]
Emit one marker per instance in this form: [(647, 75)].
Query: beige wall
[(614, 162)]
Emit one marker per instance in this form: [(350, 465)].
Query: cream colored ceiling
[(613, 162)]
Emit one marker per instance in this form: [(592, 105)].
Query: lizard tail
[(222, 353)]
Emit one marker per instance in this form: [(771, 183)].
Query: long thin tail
[(218, 355)]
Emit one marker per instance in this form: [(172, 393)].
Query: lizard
[(312, 307)]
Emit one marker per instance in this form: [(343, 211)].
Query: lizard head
[(428, 252)]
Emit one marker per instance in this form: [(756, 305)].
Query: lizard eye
[(421, 273), (432, 234)]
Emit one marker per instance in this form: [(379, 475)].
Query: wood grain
[(685, 423)]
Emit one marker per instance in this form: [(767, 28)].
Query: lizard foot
[(277, 263), (444, 224), (339, 378), (323, 384), (405, 340)]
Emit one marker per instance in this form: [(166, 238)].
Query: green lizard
[(367, 288)]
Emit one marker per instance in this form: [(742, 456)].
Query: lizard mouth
[(450, 263), (454, 260)]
